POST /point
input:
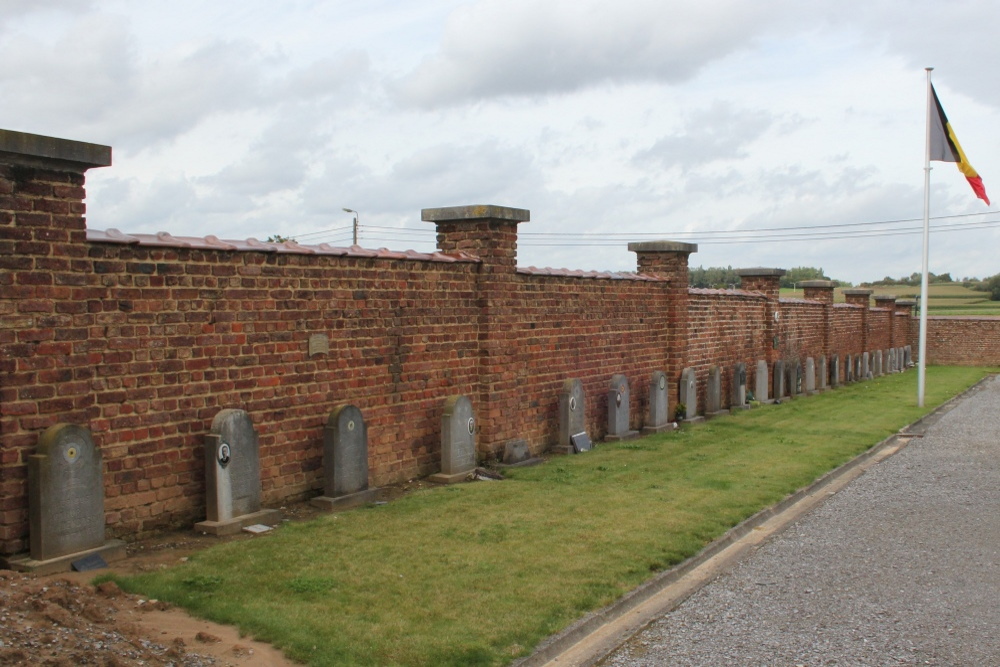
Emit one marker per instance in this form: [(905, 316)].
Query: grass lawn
[(478, 574)]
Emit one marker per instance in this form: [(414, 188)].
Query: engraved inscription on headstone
[(761, 383), (65, 493), (458, 441), (689, 394), (572, 415), (619, 399), (659, 415)]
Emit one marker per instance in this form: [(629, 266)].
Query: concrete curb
[(555, 648)]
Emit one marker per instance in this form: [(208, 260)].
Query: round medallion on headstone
[(350, 425), (472, 425), (572, 403), (663, 382), (618, 399), (71, 452), (224, 455)]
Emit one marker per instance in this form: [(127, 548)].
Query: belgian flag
[(944, 147)]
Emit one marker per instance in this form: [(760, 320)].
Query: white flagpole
[(922, 348)]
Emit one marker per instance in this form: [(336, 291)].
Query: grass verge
[(478, 574)]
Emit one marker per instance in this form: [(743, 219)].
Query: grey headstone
[(345, 452), (65, 493), (581, 442), (858, 374), (740, 386), (689, 394), (848, 369), (835, 370), (659, 412), (779, 379), (892, 360), (866, 366), (516, 451), (824, 377), (760, 382), (232, 467), (619, 399), (794, 378), (810, 376), (572, 414), (901, 356), (458, 437), (713, 391), (878, 363), (907, 356)]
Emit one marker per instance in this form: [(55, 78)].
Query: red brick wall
[(802, 329), (961, 341), (846, 333), (879, 329)]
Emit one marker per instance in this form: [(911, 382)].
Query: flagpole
[(922, 346)]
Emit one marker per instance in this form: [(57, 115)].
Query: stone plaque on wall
[(345, 460), (458, 441), (232, 476), (659, 414), (619, 409)]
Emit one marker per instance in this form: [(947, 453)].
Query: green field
[(945, 299)]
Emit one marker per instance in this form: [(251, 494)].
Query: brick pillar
[(860, 297), (767, 282), (489, 233), (43, 325), (901, 327), (669, 260), (821, 291)]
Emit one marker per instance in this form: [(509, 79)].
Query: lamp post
[(351, 210)]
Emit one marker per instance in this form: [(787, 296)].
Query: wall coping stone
[(474, 212), (662, 246), (760, 271), (858, 292), (906, 302), (822, 284), (41, 151)]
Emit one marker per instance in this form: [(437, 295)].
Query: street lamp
[(351, 210)]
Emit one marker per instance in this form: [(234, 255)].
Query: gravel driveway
[(902, 567)]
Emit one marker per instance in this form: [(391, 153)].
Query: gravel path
[(902, 567)]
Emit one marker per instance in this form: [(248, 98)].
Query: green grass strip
[(478, 574)]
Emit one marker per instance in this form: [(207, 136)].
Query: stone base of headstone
[(694, 420), (110, 551), (562, 449), (627, 435), (535, 460), (718, 413), (454, 478), (649, 430), (349, 500), (236, 524)]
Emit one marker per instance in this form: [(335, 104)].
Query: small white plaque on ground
[(257, 528)]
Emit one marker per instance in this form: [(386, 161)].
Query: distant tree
[(715, 277), (992, 285), (800, 273), (278, 238)]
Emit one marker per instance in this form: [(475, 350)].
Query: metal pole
[(922, 346)]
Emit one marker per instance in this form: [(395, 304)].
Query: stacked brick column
[(767, 282), (669, 260), (821, 291), (489, 233), (905, 327), (860, 297), (48, 301)]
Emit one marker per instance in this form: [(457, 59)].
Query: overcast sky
[(645, 119)]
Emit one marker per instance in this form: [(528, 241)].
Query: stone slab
[(347, 501), (236, 524), (110, 551)]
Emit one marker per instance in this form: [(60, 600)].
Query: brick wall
[(144, 338), (961, 341)]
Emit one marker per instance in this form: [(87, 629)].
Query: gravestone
[(689, 395), (232, 476), (877, 363), (345, 460), (739, 387), (760, 382), (458, 441), (824, 377), (779, 380), (572, 416), (516, 453), (859, 376), (659, 412), (619, 409), (866, 367), (901, 357), (907, 356), (835, 370), (794, 378), (65, 503), (848, 369), (810, 387), (713, 393), (892, 360)]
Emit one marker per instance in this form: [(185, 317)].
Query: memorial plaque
[(458, 441), (713, 392), (760, 382), (319, 344), (581, 442), (835, 370), (740, 386), (572, 415), (810, 387), (619, 414), (779, 380), (65, 493), (689, 394), (659, 414)]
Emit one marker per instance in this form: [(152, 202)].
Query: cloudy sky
[(713, 122)]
